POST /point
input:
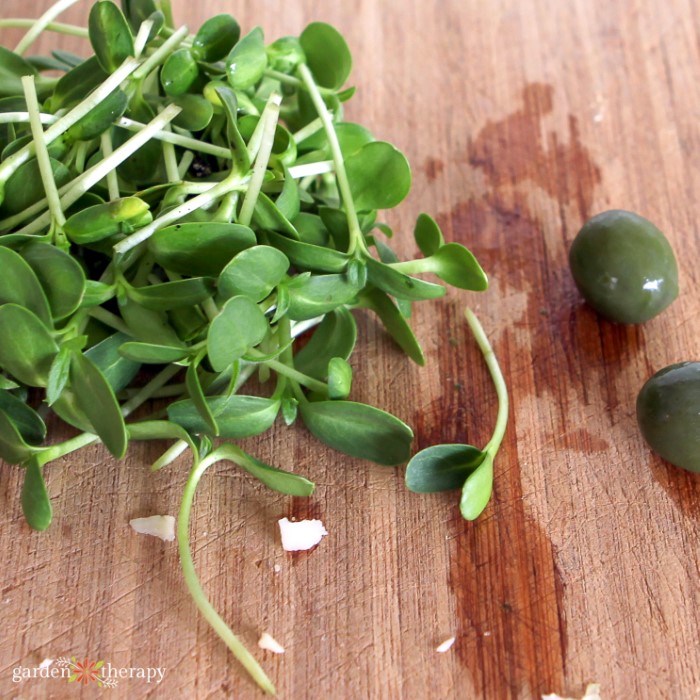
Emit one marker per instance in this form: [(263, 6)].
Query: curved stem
[(356, 238), (270, 115), (497, 376), (42, 152), (195, 587), (60, 27), (40, 24)]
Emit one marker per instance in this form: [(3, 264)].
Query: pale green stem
[(256, 138), (263, 158), (170, 217), (59, 27), (356, 237), (62, 125), (109, 319), (320, 167), (81, 156), (160, 54), (42, 153), (291, 80), (142, 37), (195, 587), (40, 24), (309, 130), (147, 392), (166, 392), (184, 165), (210, 308), (171, 169), (290, 372), (170, 455), (498, 381), (76, 189), (112, 178), (64, 448)]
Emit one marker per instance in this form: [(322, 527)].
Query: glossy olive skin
[(668, 413), (624, 267)]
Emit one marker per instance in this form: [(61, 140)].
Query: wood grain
[(520, 119)]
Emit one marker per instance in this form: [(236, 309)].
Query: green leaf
[(399, 285), (100, 221), (311, 229), (215, 38), (59, 375), (359, 430), (159, 430), (305, 256), (339, 378), (253, 273), (237, 416), (25, 187), (394, 322), (285, 54), (239, 150), (179, 73), (27, 421), (110, 35), (36, 505), (96, 399), (428, 235), (266, 215), (247, 61), (27, 348), (13, 447), (196, 393), (198, 248), (327, 54), (457, 266), (12, 68), (145, 166), (335, 337), (96, 294), (173, 295), (149, 353), (196, 114), (379, 176), (238, 327), (276, 479), (477, 489), (20, 285), (148, 326), (77, 83), (100, 118), (442, 467), (60, 275), (116, 369), (316, 295)]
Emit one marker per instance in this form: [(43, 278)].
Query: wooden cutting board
[(521, 119)]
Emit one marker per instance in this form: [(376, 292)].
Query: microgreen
[(175, 211)]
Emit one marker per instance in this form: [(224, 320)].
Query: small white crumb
[(46, 663), (597, 118), (592, 693), (445, 646), (301, 535), (487, 634), (266, 641), (277, 568), (162, 526)]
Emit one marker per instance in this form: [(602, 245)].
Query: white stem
[(170, 217), (142, 37), (185, 162), (92, 176), (170, 159), (270, 117), (311, 169), (39, 25), (158, 56), (59, 27), (67, 120), (42, 153), (256, 139), (309, 130), (112, 177)]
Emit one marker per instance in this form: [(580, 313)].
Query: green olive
[(668, 413), (624, 267)]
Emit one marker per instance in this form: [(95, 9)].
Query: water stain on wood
[(432, 167)]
